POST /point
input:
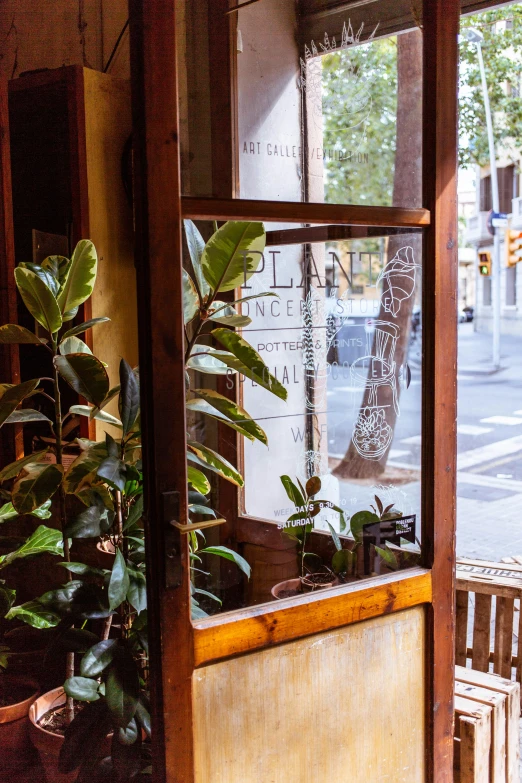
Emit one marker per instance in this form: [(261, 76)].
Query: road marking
[(397, 453), (416, 440), (471, 429), (489, 481), (509, 421), (498, 450), (517, 413)]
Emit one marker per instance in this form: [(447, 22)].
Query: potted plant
[(298, 527)]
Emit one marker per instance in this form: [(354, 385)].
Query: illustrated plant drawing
[(100, 613)]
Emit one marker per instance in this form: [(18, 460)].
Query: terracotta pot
[(17, 751), (105, 554), (300, 584), (46, 743), (49, 744)]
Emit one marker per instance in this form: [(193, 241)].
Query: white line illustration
[(372, 434), (378, 367), (400, 275)]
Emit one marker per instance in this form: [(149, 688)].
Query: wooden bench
[(495, 587), (487, 715)]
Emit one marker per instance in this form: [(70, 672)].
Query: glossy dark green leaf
[(80, 279), (119, 581), (85, 374), (129, 734), (85, 410), (57, 266), (293, 492), (15, 334), (84, 467), (196, 245), (388, 557), (83, 327), (84, 737), (13, 395), (37, 484), (13, 469), (81, 689), (76, 640), (247, 361), (98, 657), (335, 538), (233, 254), (194, 508), (344, 561), (83, 569), (137, 592), (39, 299), (44, 539), (7, 597), (24, 415), (122, 689), (95, 521), (235, 413), (129, 400), (143, 716), (77, 599), (48, 279), (359, 520), (228, 554), (7, 511), (126, 753), (114, 471), (135, 514)]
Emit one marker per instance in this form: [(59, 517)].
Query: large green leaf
[(359, 520), (39, 299), (293, 492), (247, 361), (44, 539), (196, 245), (85, 374), (98, 657), (77, 599), (84, 467), (228, 316), (198, 480), (15, 334), (57, 266), (190, 298), (13, 469), (85, 410), (95, 521), (204, 359), (209, 459), (234, 412), (13, 396), (45, 276), (122, 689), (7, 597), (119, 581), (73, 345), (80, 279), (24, 415), (201, 406), (114, 471), (84, 327), (129, 401), (228, 554), (7, 511), (233, 254), (82, 689), (34, 614), (38, 483), (137, 592)]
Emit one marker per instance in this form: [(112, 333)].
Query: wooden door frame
[(177, 645)]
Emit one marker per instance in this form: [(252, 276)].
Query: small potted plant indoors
[(298, 527), (109, 692)]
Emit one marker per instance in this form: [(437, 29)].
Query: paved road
[(489, 521)]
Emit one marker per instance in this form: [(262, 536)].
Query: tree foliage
[(502, 51)]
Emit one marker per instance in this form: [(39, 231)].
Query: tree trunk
[(407, 192)]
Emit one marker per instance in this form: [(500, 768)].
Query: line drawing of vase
[(372, 434), (378, 367), (400, 275)]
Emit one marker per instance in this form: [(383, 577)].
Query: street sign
[(497, 220)]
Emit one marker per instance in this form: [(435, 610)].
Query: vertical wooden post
[(159, 263), (11, 437), (441, 26)]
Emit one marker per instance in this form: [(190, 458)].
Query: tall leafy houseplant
[(52, 292)]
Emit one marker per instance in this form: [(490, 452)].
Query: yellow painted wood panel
[(108, 125), (346, 705)]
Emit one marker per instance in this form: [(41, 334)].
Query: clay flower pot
[(48, 744), (293, 587), (17, 752)]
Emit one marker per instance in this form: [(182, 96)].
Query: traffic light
[(513, 247), (485, 263)]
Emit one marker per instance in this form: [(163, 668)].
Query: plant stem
[(69, 661)]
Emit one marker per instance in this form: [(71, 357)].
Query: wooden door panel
[(319, 709)]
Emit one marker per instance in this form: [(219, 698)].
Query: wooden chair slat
[(504, 612), (481, 632), (461, 638)]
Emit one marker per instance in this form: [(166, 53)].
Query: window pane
[(329, 102)]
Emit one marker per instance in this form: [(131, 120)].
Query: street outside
[(489, 488)]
